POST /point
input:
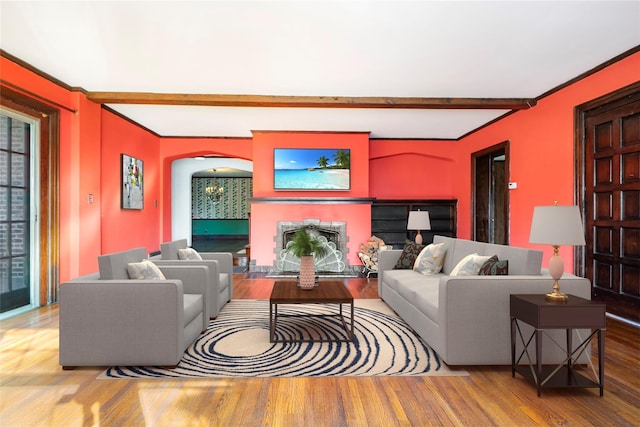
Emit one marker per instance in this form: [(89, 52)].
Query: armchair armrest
[(116, 322), (195, 280), (225, 266), (225, 260)]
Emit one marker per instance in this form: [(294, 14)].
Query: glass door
[(18, 213)]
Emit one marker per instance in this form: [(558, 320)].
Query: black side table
[(576, 313)]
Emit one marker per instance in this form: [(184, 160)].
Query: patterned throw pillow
[(144, 270), (409, 254), (494, 267), (469, 265), (430, 260), (189, 254)]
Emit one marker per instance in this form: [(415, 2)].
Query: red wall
[(542, 153), (265, 142), (89, 166), (264, 217), (541, 138), (413, 169), (124, 228), (79, 226), (173, 149)]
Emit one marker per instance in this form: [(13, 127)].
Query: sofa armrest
[(474, 311), (387, 259), (105, 322)]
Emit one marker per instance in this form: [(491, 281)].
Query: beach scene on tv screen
[(311, 169)]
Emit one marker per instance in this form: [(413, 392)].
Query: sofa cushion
[(395, 278), (408, 256), (469, 265), (416, 289), (144, 270), (189, 254), (427, 301), (494, 267), (430, 259)]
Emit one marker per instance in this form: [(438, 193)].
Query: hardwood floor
[(35, 391)]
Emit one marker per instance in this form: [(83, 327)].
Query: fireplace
[(333, 234)]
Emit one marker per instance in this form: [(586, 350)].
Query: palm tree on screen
[(341, 157), (323, 162)]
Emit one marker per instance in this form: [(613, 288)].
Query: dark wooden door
[(612, 203), (490, 220)]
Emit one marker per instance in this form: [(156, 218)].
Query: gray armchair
[(220, 267), (107, 319)]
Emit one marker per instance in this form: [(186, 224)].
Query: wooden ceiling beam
[(268, 101)]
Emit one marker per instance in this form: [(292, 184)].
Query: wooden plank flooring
[(35, 391)]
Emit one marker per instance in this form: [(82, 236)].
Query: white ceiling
[(430, 49)]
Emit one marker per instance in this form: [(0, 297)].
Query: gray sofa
[(220, 268), (107, 319), (465, 319)]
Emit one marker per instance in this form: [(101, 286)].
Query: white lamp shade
[(557, 225), (419, 220)]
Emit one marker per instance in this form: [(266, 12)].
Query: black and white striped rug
[(236, 344)]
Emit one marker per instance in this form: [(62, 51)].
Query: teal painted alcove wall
[(220, 227)]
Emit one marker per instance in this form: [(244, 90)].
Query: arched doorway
[(182, 172)]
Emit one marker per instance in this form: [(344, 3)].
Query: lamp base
[(553, 297), (556, 295)]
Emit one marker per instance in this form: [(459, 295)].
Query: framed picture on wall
[(132, 188)]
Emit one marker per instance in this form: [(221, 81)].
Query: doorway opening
[(19, 203), (490, 194), (29, 210)]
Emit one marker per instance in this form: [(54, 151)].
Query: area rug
[(236, 344)]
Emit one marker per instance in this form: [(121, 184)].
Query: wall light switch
[(513, 185), (90, 198)]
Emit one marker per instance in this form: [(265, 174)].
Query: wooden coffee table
[(327, 292)]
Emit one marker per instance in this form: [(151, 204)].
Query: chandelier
[(214, 192)]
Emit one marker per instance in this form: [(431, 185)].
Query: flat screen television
[(312, 169)]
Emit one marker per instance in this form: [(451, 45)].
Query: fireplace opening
[(332, 234)]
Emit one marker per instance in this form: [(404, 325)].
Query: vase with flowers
[(305, 245)]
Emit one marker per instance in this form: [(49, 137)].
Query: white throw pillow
[(144, 270), (430, 260), (469, 265), (189, 254)]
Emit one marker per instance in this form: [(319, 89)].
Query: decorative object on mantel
[(305, 245), (556, 225), (419, 220), (214, 192)]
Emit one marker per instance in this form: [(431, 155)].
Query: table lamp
[(556, 225), (419, 220)]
